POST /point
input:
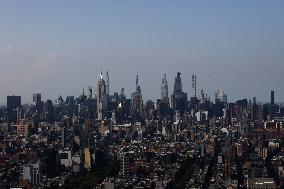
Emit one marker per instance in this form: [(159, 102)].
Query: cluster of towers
[(178, 98), (177, 101)]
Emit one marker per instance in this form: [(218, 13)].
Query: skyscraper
[(107, 83), (178, 84), (39, 105), (273, 106), (164, 89), (37, 98), (52, 162), (272, 97), (13, 102), (193, 85), (49, 111), (179, 98), (101, 98), (32, 172), (137, 102), (220, 96)]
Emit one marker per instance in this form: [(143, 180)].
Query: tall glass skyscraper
[(13, 102)]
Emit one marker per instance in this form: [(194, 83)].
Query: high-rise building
[(36, 98), (49, 111), (193, 85), (101, 98), (220, 96), (179, 98), (87, 159), (13, 102), (52, 162), (38, 105), (32, 173), (90, 93), (272, 97), (137, 102), (178, 84), (70, 102), (107, 83), (164, 89), (273, 108)]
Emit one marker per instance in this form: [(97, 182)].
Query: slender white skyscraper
[(164, 88)]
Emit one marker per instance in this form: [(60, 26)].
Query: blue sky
[(59, 47)]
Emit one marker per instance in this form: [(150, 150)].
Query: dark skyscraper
[(38, 103), (193, 85), (52, 162), (107, 83), (13, 102), (50, 115), (272, 97), (273, 108), (178, 84), (36, 98), (179, 98)]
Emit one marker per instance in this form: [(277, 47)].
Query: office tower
[(70, 102), (52, 163), (220, 96), (101, 98), (178, 84), (163, 104), (87, 159), (254, 100), (273, 108), (164, 89), (272, 97), (137, 102), (125, 157), (202, 94), (193, 85), (122, 93), (32, 173), (39, 105), (13, 102), (107, 83), (37, 98), (91, 103), (90, 93), (65, 157), (49, 112), (179, 98)]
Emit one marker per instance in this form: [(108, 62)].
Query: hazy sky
[(59, 47)]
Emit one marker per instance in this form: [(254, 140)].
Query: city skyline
[(55, 49), (189, 90), (142, 94)]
